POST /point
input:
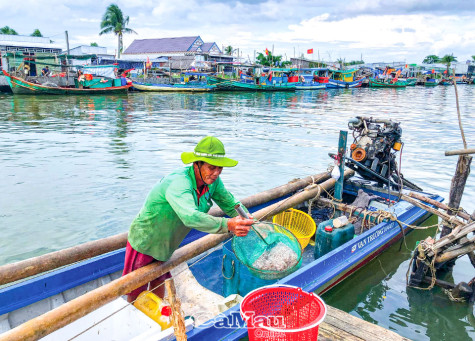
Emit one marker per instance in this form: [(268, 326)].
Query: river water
[(75, 169)]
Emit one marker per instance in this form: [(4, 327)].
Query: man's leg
[(157, 286)]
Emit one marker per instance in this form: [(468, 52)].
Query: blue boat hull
[(336, 84), (322, 274), (318, 276), (310, 86)]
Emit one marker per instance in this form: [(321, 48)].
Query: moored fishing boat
[(431, 82), (83, 86), (343, 79), (318, 275), (411, 81), (190, 82), (278, 79), (381, 83), (172, 87), (313, 79), (446, 81)]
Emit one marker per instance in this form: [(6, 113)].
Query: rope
[(448, 292), (284, 201), (430, 265), (458, 114), (131, 303)]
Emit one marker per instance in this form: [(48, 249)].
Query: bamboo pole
[(435, 203), (460, 152), (450, 238), (457, 185), (57, 318), (448, 255), (308, 193), (430, 209), (33, 266), (177, 319)]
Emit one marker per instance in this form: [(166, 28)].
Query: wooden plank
[(358, 328), (328, 332)]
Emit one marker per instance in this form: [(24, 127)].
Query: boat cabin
[(317, 75), (343, 75)]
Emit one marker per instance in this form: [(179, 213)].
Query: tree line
[(11, 31)]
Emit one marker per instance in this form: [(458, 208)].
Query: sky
[(375, 30)]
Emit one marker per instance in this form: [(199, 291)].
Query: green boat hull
[(380, 84), (231, 85), (172, 87), (22, 87)]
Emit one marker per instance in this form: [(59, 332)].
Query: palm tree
[(447, 60), (473, 57), (267, 60), (36, 33), (228, 50), (8, 30), (431, 59), (115, 21)]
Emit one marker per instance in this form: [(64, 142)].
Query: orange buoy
[(397, 146)]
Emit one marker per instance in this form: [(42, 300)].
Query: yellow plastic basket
[(300, 223)]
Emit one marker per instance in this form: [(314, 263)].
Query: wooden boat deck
[(339, 325)]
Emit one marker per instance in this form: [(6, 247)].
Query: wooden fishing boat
[(313, 79), (342, 79), (279, 79), (36, 295), (376, 83), (172, 87), (93, 86), (189, 82), (411, 81), (445, 81), (57, 281), (431, 82)]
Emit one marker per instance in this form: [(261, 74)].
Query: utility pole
[(67, 60)]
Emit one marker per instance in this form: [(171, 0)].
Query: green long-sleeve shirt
[(171, 210)]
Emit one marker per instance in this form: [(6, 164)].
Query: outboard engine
[(373, 152)]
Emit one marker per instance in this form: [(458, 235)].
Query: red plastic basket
[(281, 313)]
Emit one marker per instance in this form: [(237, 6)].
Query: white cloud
[(378, 29)]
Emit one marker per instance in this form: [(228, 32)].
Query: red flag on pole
[(267, 52), (310, 51)]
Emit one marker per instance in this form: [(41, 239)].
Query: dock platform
[(339, 325)]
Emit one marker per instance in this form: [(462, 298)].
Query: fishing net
[(269, 251)]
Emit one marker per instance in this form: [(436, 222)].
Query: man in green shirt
[(178, 203)]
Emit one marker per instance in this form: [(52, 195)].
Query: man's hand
[(239, 226)]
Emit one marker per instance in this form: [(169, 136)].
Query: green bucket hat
[(209, 150)]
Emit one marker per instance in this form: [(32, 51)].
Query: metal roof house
[(15, 49), (97, 53), (180, 46), (182, 51)]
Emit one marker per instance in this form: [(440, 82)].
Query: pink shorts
[(135, 260)]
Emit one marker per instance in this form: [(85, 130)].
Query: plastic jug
[(329, 238), (154, 307), (164, 320)]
